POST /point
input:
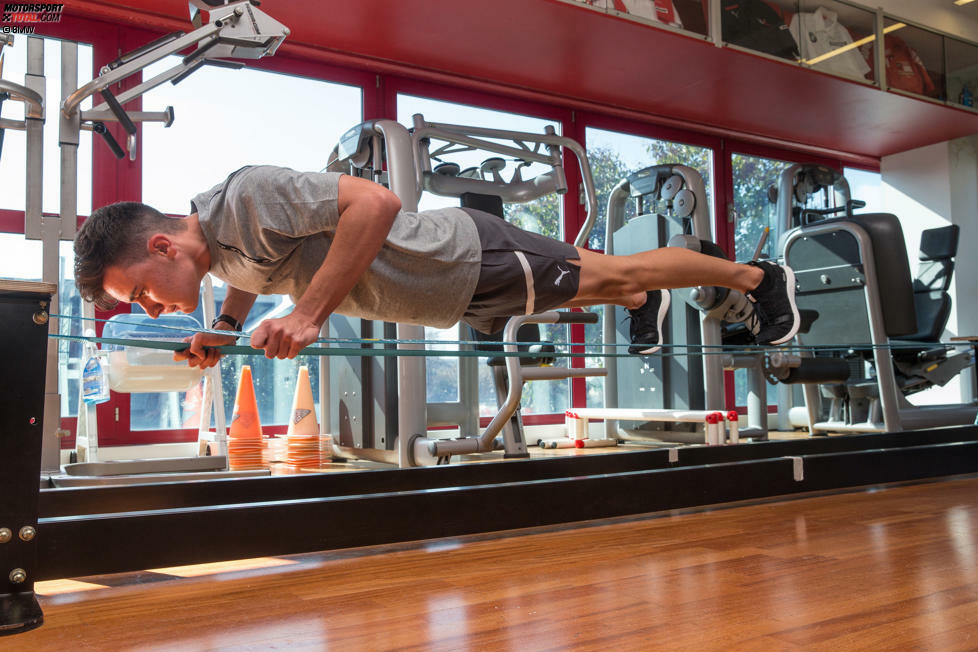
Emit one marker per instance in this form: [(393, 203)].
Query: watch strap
[(227, 319)]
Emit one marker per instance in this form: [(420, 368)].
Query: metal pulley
[(684, 203), (671, 186)]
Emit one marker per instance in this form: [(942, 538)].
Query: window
[(613, 157), (225, 119), (13, 157), (866, 186), (542, 215)]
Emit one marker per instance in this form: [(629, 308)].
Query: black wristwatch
[(227, 319)]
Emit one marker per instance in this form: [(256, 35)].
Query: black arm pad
[(577, 317)]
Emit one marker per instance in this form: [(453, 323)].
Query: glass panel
[(836, 38), (752, 176), (226, 119), (686, 14), (274, 380), (962, 72), (23, 259), (914, 59), (542, 215), (13, 158), (760, 25), (613, 156)]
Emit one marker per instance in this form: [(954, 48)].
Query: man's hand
[(284, 337), (197, 355)]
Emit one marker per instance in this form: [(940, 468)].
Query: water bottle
[(966, 98), (95, 379)]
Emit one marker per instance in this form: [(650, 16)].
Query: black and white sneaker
[(775, 319), (646, 326)]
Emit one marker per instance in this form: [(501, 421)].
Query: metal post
[(715, 20), (49, 232), (34, 123), (615, 220), (411, 418), (880, 51), (68, 138)]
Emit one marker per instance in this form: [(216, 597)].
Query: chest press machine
[(380, 413)]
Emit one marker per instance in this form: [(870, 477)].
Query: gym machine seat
[(857, 266)]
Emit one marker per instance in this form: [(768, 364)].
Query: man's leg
[(620, 279), (629, 281)]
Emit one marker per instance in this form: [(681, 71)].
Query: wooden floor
[(893, 568)]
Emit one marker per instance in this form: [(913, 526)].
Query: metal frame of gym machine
[(364, 150), (889, 411)]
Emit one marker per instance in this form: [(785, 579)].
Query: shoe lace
[(757, 317)]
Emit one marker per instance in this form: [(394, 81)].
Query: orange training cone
[(303, 433), (244, 419)]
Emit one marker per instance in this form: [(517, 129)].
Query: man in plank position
[(337, 243)]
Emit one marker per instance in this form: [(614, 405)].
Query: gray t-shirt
[(269, 228)]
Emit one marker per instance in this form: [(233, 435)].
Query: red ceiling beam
[(551, 51)]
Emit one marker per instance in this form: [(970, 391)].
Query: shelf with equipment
[(572, 55)]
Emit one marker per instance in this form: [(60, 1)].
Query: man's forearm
[(238, 303)]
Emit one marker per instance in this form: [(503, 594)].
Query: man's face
[(162, 282)]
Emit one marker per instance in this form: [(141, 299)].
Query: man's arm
[(367, 212), (237, 304)]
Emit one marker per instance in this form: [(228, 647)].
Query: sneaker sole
[(796, 324), (663, 309)]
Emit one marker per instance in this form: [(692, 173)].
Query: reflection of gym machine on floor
[(376, 414), (235, 29), (853, 271)]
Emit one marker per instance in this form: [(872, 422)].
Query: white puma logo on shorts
[(563, 272)]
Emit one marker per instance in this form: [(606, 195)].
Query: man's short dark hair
[(115, 235)]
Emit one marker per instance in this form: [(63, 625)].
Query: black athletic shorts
[(522, 273)]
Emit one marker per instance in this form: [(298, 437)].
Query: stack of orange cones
[(303, 433), (244, 439)]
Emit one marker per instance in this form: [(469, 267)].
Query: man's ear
[(160, 244)]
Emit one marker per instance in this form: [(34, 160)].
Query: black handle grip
[(101, 129), (200, 51), (577, 317), (819, 370), (117, 110)]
